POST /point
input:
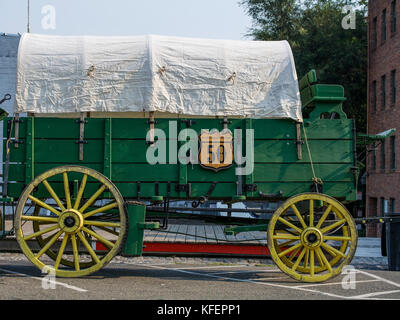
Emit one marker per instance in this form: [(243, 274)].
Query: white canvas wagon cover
[(187, 76)]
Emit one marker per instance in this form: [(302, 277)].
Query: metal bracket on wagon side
[(184, 188), (250, 187), (81, 140), (203, 199)]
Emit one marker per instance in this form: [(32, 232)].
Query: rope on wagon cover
[(314, 179)]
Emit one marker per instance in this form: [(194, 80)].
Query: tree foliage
[(314, 30)]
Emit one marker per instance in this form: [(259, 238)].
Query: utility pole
[(28, 27)]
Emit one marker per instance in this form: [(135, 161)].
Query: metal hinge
[(184, 188), (189, 123), (250, 187)]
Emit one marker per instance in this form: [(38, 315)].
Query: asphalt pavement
[(174, 278)]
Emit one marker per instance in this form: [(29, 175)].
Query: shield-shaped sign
[(216, 149)]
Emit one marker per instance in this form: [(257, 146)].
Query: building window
[(383, 155), (393, 152), (393, 87), (383, 91), (383, 26), (393, 17), (392, 205), (375, 33), (374, 96), (383, 206)]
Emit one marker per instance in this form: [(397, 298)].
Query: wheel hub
[(311, 238), (71, 221)]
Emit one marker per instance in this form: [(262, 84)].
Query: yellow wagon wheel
[(311, 237), (71, 220), (39, 226)]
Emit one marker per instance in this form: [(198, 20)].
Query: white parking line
[(301, 288), (240, 271), (379, 278), (373, 294), (331, 283), (207, 267), (47, 280), (270, 278), (203, 274)]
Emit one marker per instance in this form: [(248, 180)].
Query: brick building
[(383, 164)]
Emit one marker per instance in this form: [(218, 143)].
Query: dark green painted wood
[(328, 129), (107, 149), (222, 190), (59, 128), (133, 151), (168, 172), (117, 148), (309, 79), (134, 242), (30, 147), (285, 151)]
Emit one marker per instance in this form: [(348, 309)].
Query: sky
[(215, 19)]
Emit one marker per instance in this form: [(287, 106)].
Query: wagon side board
[(117, 148)]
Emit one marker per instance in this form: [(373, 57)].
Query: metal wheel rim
[(295, 269)]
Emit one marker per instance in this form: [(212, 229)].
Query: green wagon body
[(290, 159), (117, 148)]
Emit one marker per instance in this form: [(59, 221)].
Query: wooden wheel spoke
[(294, 253), (108, 243), (290, 225), (44, 205), (333, 225), (311, 213), (40, 219), (306, 258), (331, 249), (288, 231), (324, 260), (102, 209), (66, 190), (75, 252), (41, 232), (285, 236), (88, 247), (298, 215), (61, 251), (312, 263), (281, 254), (324, 216), (53, 194), (80, 192), (49, 244), (321, 263), (93, 198), (299, 258)]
